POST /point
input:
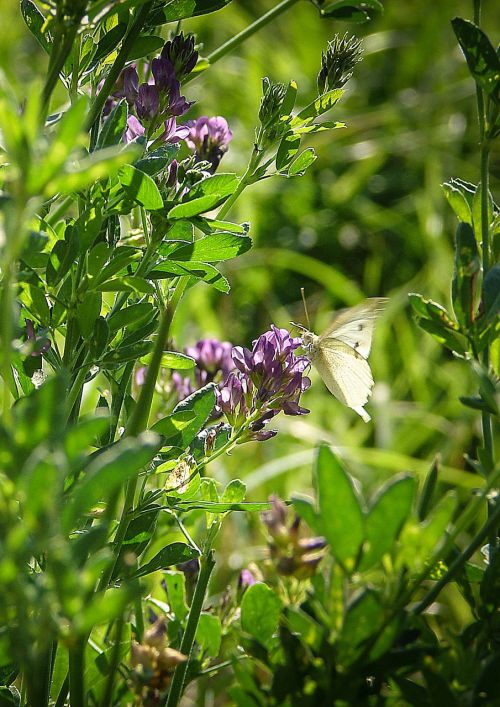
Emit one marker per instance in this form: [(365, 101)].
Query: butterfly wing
[(354, 326), (345, 373)]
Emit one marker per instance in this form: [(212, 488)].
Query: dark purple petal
[(148, 102)]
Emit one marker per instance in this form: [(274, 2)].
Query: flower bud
[(341, 56)]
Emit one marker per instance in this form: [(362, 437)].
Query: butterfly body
[(340, 354)]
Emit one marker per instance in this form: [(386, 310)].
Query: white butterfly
[(340, 353)]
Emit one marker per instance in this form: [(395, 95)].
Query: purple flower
[(177, 104), (183, 385), (173, 132), (212, 356), (245, 580), (134, 129), (130, 83), (181, 54), (40, 346), (147, 103), (209, 138), (164, 74), (275, 370), (269, 379)]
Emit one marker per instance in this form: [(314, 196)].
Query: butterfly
[(340, 353)]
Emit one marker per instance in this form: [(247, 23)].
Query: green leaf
[(339, 508), (107, 473), (205, 196), (234, 492), (108, 43), (302, 162), (173, 359), (128, 283), (287, 150), (458, 202), (217, 507), (87, 313), (319, 106), (260, 612), (491, 293), (140, 187), (213, 248), (144, 46), (451, 339), (200, 404), (68, 131), (129, 352), (385, 519), (83, 173), (202, 271), (481, 57), (175, 10), (39, 417), (363, 618), (173, 554), (465, 289), (114, 126), (154, 162), (82, 436), (175, 583), (133, 315), (419, 541), (209, 634), (358, 11), (35, 22)]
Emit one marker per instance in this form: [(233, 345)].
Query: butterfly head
[(308, 338)]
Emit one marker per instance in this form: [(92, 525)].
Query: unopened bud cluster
[(291, 554), (337, 63), (152, 665)]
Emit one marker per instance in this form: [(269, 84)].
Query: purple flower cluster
[(259, 383), (269, 379), (213, 360), (209, 139), (157, 102)]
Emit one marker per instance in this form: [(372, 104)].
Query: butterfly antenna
[(305, 307)]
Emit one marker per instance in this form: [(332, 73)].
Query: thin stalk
[(244, 182), (246, 33), (132, 34), (57, 66), (76, 673), (207, 564), (63, 693), (114, 663), (139, 419), (485, 234), (460, 561)]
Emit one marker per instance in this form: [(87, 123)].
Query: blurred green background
[(369, 219)]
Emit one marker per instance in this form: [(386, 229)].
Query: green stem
[(248, 32), (63, 693), (76, 673), (244, 182), (57, 66), (132, 34), (460, 561), (139, 419), (207, 564), (114, 663)]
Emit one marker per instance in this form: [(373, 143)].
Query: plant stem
[(57, 66), (460, 561), (249, 31), (132, 34), (114, 662), (139, 419), (246, 179), (207, 564), (76, 673)]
